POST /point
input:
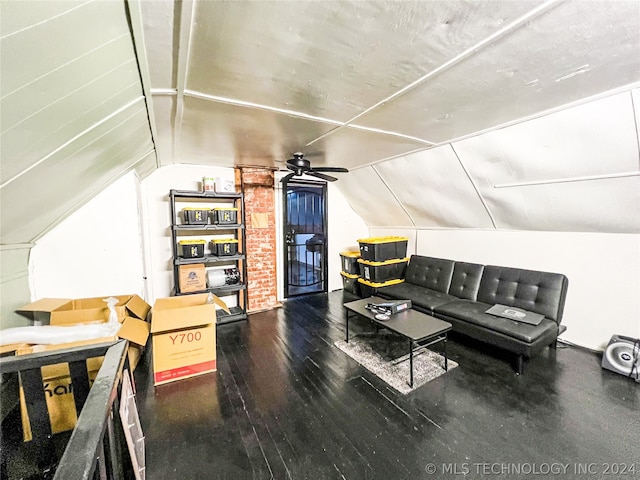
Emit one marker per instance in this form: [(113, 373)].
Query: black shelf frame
[(182, 226), (219, 291), (196, 194), (208, 259), (238, 312)]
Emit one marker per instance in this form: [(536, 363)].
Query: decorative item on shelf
[(225, 185), (208, 184)]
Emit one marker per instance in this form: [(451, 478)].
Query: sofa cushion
[(474, 312), (429, 272), (421, 298), (540, 292), (466, 280)]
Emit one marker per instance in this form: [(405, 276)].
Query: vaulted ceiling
[(450, 114)]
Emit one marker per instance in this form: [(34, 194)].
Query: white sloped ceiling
[(371, 198), (424, 182), (574, 170), (569, 52), (73, 114)]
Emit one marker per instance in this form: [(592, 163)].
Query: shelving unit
[(180, 199)]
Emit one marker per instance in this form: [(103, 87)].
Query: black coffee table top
[(409, 323)]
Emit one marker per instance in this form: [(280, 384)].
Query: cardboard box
[(56, 378), (183, 334), (132, 312), (56, 381), (192, 277), (63, 311)]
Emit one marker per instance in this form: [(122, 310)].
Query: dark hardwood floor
[(286, 404)]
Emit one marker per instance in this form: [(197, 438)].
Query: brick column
[(259, 204)]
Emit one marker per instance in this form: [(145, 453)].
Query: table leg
[(347, 329), (411, 363), (446, 362)]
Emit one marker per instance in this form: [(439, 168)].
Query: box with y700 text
[(183, 334)]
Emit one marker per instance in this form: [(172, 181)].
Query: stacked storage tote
[(382, 262), (350, 272)]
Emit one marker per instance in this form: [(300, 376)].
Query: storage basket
[(195, 216), (191, 248), (225, 216), (380, 249), (350, 283), (224, 247), (349, 262), (369, 289), (383, 271)]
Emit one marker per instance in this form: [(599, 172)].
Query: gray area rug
[(386, 355)]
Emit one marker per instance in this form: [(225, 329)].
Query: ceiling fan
[(301, 166)]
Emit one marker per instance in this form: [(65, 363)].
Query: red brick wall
[(259, 199)]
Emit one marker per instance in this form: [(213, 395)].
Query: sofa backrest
[(540, 292), (429, 272), (465, 282)]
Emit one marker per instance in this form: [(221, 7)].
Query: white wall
[(345, 227), (14, 284), (110, 246), (95, 251), (156, 220), (603, 271)]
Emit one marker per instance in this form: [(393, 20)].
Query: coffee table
[(420, 329)]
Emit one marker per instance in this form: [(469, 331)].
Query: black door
[(305, 237)]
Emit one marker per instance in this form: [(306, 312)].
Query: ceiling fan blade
[(286, 178), (328, 178), (330, 169)]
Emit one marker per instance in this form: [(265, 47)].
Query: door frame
[(285, 251)]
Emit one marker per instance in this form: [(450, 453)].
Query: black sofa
[(461, 292)]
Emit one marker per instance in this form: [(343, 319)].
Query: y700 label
[(190, 337)]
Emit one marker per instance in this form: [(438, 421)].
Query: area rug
[(386, 355)]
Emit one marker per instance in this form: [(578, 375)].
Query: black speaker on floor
[(622, 355)]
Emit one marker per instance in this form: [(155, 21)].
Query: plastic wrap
[(53, 334)]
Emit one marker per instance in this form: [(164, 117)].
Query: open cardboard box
[(183, 334), (132, 313), (63, 311)]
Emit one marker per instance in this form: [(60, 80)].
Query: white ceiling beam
[(475, 187), (586, 178), (137, 30), (182, 66)]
